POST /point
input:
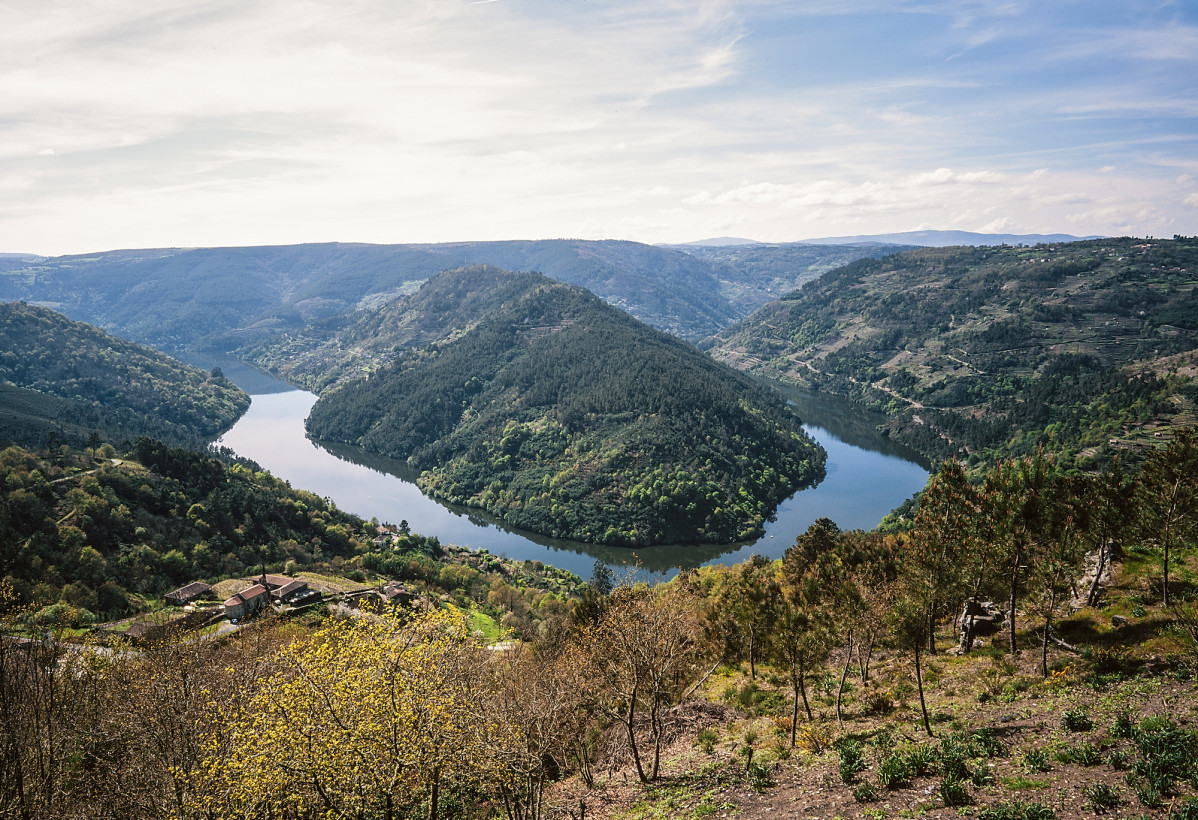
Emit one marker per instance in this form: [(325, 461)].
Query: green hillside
[(1086, 347), (543, 405), (74, 379)]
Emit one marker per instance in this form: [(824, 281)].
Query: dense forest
[(71, 380), (103, 534), (1086, 347), (543, 405)]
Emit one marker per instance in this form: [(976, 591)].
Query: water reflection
[(867, 476)]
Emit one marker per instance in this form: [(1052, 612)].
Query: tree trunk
[(631, 722), (434, 795), (803, 690), (1092, 595), (1014, 597), (794, 712), (655, 721), (864, 659), (1165, 569), (923, 706), (1052, 600), (848, 659)]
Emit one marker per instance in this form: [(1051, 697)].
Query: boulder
[(979, 618)]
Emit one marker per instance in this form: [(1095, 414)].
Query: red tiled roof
[(246, 595)]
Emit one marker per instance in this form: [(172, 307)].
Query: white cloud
[(247, 121)]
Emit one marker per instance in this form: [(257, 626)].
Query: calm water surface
[(867, 476)]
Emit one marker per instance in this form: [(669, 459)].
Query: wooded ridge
[(1087, 348), (541, 404), (76, 380)]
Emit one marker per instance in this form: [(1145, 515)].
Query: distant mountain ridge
[(942, 239), (221, 299)]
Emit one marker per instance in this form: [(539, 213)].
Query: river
[(867, 476)]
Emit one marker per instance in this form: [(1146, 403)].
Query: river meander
[(867, 476)]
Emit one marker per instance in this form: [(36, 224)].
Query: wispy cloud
[(245, 121)]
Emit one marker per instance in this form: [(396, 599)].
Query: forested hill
[(538, 402), (73, 379), (1087, 348)]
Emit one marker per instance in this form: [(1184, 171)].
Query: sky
[(127, 124)]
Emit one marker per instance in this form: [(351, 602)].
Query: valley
[(835, 666)]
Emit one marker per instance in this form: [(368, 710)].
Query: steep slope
[(536, 401), (992, 351), (71, 378)]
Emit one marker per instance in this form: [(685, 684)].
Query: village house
[(397, 593), (247, 602), (295, 593), (185, 595)]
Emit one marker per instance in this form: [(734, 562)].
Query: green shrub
[(1084, 754), (706, 739), (865, 793), (1148, 795), (986, 743), (1123, 725), (1017, 810), (1168, 753), (954, 792), (852, 759), (1102, 797), (981, 776), (1036, 760), (895, 771), (759, 777), (922, 759), (1117, 759), (878, 703), (953, 755), (1076, 720)]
